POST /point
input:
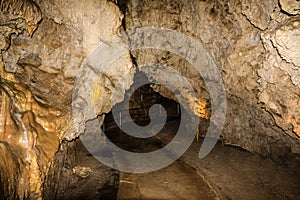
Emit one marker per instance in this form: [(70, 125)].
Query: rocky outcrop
[(280, 89)]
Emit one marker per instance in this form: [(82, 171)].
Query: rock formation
[(44, 46)]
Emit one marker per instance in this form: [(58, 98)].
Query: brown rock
[(30, 60), (290, 6)]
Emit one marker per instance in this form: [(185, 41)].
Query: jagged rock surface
[(44, 43), (290, 6), (37, 81), (261, 117)]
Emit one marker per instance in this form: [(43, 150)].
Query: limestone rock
[(37, 77), (279, 89), (27, 9), (290, 6), (49, 65), (231, 33), (258, 12), (286, 40), (83, 172), (30, 59)]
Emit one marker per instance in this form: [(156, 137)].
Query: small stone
[(83, 172), (30, 60)]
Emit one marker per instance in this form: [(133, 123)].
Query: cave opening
[(75, 166), (174, 178), (140, 101), (79, 175)]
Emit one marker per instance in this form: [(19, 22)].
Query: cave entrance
[(171, 181), (80, 175), (140, 101)]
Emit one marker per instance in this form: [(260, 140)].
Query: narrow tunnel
[(141, 100)]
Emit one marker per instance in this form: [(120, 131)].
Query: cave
[(149, 99)]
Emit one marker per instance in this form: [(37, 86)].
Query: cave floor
[(177, 181), (226, 173), (238, 174)]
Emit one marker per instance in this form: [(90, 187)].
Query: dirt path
[(238, 174), (177, 181)]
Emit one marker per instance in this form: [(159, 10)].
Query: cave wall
[(44, 45), (254, 45), (38, 70)]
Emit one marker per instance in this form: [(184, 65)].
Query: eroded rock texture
[(37, 78), (44, 46), (254, 45)]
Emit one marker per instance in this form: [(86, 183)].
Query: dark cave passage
[(139, 104)]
